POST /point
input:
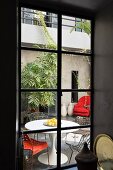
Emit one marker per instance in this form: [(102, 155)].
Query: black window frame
[(59, 90)]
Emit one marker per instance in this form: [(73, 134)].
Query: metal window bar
[(35, 21), (55, 51), (47, 22)]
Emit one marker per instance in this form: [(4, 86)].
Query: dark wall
[(103, 117), (66, 7), (103, 71), (8, 85)]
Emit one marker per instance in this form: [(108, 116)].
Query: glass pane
[(76, 72), (37, 106), (38, 69), (72, 141), (76, 34), (46, 156), (38, 29), (76, 108), (39, 151)]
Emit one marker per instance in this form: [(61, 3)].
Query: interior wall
[(8, 85), (63, 6), (103, 71), (103, 79)]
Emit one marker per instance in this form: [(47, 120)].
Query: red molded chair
[(82, 108), (34, 145)]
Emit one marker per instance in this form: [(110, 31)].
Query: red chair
[(82, 108), (34, 145)]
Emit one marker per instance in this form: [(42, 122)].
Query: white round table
[(39, 125)]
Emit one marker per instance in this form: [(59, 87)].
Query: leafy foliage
[(84, 25), (41, 73)]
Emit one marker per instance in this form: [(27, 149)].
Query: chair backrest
[(85, 100), (103, 148), (26, 137), (82, 108), (84, 138)]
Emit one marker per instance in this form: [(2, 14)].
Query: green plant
[(84, 25), (41, 73)]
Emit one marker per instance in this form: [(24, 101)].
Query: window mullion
[(19, 66), (59, 42)]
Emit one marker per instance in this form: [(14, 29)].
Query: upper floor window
[(29, 16)]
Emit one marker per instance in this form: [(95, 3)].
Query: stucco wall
[(69, 63), (74, 63)]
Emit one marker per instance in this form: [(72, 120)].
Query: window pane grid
[(58, 89)]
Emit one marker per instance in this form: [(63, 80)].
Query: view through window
[(55, 91)]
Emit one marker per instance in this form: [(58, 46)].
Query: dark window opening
[(48, 19), (74, 95)]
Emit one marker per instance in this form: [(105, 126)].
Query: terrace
[(39, 76), (101, 14)]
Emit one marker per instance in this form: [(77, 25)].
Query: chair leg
[(48, 155), (45, 137), (37, 136), (70, 156), (32, 163), (30, 160)]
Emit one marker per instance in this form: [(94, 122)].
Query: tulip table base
[(43, 158)]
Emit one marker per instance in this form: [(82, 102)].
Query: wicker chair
[(82, 120)]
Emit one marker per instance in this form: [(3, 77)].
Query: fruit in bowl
[(51, 122)]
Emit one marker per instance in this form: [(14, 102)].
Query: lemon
[(51, 122)]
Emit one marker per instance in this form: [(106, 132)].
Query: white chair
[(76, 141)]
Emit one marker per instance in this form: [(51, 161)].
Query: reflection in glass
[(38, 69), (76, 72)]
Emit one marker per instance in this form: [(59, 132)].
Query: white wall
[(74, 63), (34, 34)]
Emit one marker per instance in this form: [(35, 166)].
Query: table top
[(39, 125)]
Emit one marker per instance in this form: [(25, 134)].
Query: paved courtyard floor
[(34, 164)]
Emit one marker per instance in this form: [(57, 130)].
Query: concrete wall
[(103, 72), (74, 63), (28, 56)]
